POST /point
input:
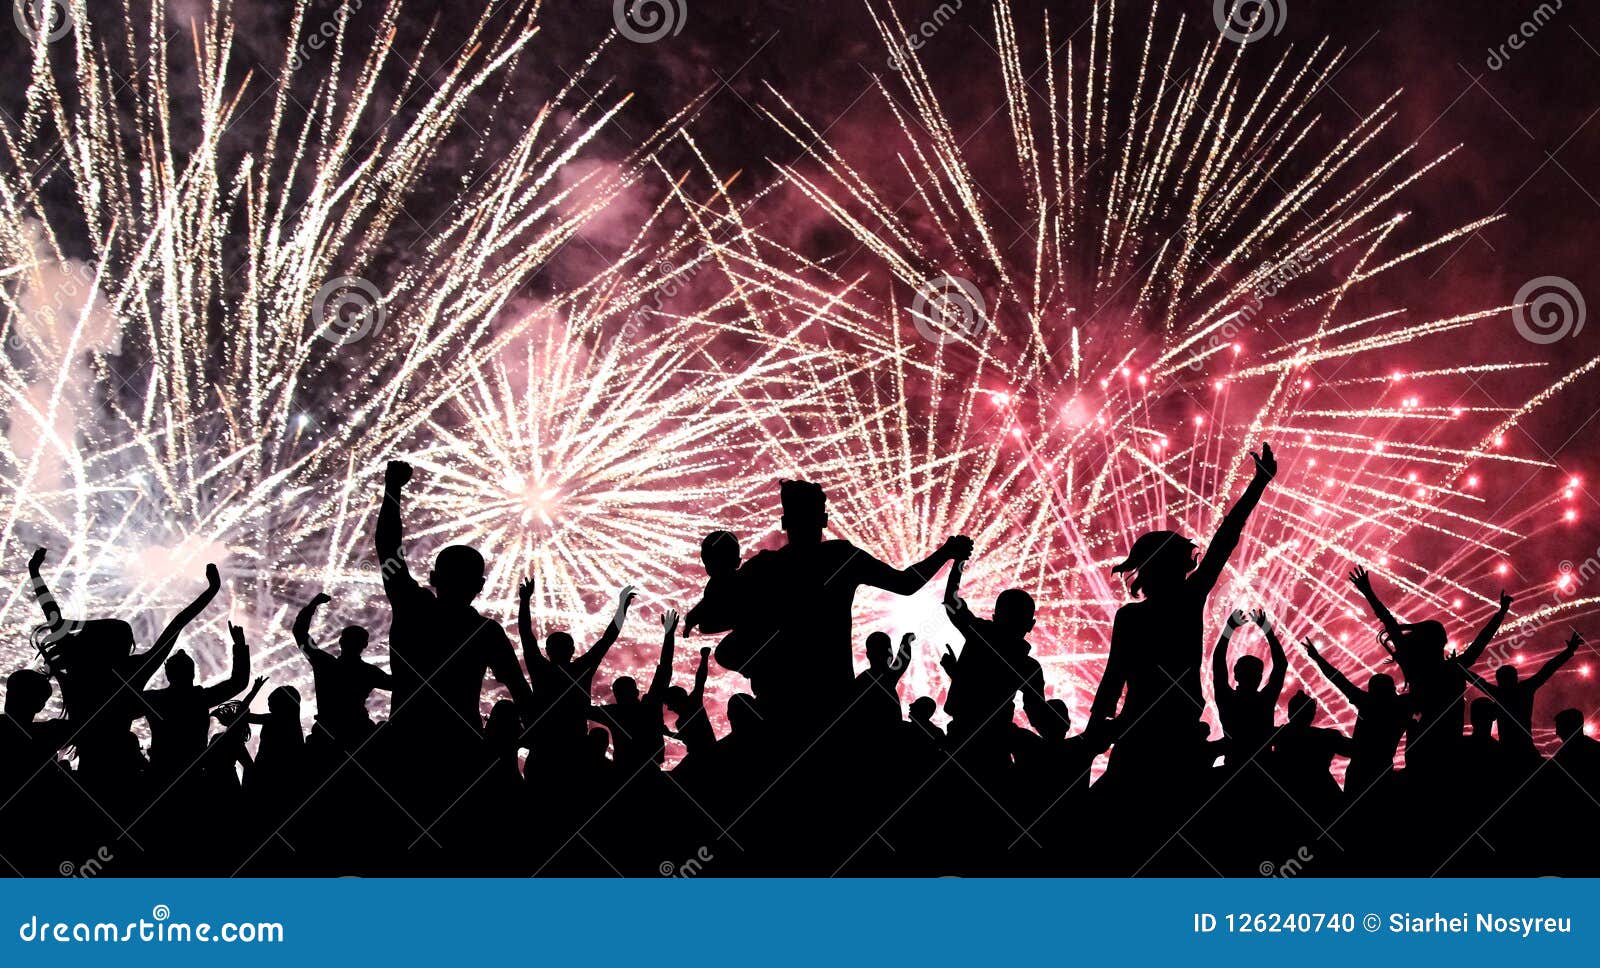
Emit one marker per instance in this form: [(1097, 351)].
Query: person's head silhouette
[(1302, 710), (599, 743), (922, 710), (805, 511), (1247, 672), (626, 690), (1055, 721), (180, 669), (1506, 677), (719, 552), (1013, 613), (503, 730), (1482, 715), (1421, 644), (457, 575), (559, 647), (1381, 686), (1569, 724), (352, 642), (879, 649), (27, 692), (676, 698), (284, 701), (743, 718), (1159, 560)]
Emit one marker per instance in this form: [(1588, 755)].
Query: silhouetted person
[(101, 677), (439, 646), (1247, 710), (793, 637), (1055, 764), (1382, 716), (26, 744), (993, 667), (1486, 754), (1437, 683), (1157, 643), (637, 723), (342, 683), (180, 714), (718, 607), (563, 685), (693, 726), (922, 710), (877, 701), (1578, 754), (226, 753), (1513, 698), (1302, 757)]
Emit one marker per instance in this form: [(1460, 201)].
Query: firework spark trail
[(183, 386), (1111, 394)]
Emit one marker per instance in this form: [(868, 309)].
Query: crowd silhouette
[(822, 770)]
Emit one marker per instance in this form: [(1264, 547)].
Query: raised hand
[(669, 620), (396, 475), (1237, 618), (948, 660), (1266, 463), (705, 653), (958, 547), (525, 590), (624, 599), (1361, 580), (37, 560), (237, 634), (1575, 642), (213, 579), (1309, 645), (1259, 616), (320, 599), (1505, 601)]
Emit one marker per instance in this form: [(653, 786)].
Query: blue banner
[(678, 921)]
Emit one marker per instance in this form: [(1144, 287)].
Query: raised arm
[(663, 676), (41, 592), (149, 662), (391, 558), (1556, 662), (503, 663), (591, 659), (699, 694), (1280, 661), (1391, 625), (902, 658), (1219, 654), (531, 655), (906, 581), (1232, 527), (302, 624), (238, 676), (1486, 635), (954, 605), (1340, 682)]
